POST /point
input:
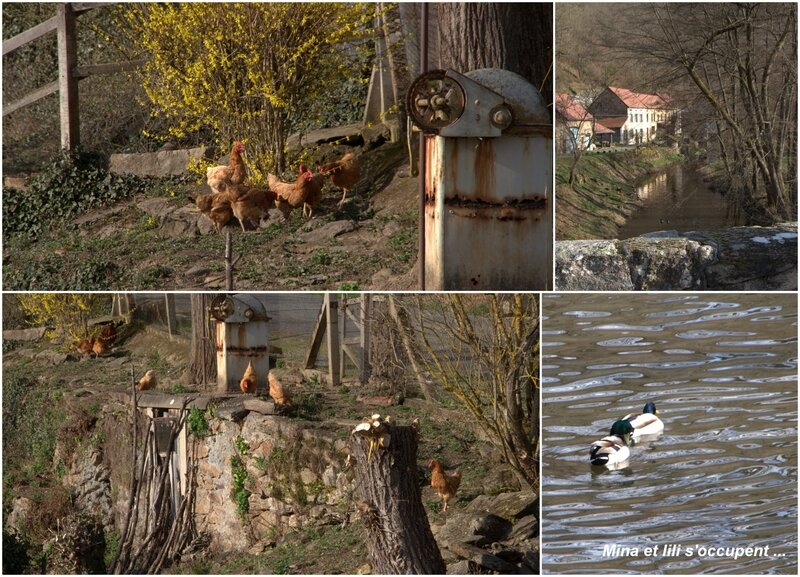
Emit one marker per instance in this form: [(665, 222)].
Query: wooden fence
[(69, 73)]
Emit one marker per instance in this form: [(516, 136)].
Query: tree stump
[(390, 503)]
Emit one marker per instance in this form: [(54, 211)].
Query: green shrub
[(240, 494), (70, 184), (198, 425)]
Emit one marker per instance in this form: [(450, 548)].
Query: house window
[(625, 136)]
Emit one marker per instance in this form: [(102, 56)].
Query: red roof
[(611, 121), (601, 129), (570, 109), (640, 99)]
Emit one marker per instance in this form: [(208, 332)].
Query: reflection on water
[(677, 199), (722, 370)]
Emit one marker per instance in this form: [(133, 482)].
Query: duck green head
[(650, 408), (622, 429)]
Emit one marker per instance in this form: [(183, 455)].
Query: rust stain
[(535, 203), (430, 178), (247, 351), (484, 167)]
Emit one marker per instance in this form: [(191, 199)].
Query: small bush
[(70, 184), (198, 425)]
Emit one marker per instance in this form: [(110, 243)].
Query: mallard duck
[(614, 448), (646, 423)]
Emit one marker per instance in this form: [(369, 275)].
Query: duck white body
[(646, 422), (613, 449), (609, 451)]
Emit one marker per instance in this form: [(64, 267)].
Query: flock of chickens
[(98, 345), (248, 384), (232, 196)]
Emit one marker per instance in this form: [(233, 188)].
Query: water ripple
[(723, 473)]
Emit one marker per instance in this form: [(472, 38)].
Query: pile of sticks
[(164, 530)]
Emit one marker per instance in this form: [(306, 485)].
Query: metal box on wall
[(488, 181), (241, 336)]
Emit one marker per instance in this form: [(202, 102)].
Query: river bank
[(604, 195)]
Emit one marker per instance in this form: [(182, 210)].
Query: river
[(722, 370), (677, 199)]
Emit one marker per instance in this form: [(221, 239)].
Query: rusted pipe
[(423, 68)]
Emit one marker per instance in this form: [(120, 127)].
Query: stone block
[(160, 164)]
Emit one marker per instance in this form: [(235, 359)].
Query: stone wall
[(740, 259), (296, 476)]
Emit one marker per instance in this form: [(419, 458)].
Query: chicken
[(446, 484), (249, 204), (306, 191), (276, 391), (343, 173), (248, 383), (108, 334), (148, 381), (234, 173), (99, 348), (85, 345), (216, 208)]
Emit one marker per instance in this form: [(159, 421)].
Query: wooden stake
[(67, 82)]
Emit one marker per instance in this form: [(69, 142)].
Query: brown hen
[(306, 191), (446, 484), (343, 173), (248, 383), (148, 381), (219, 178), (250, 203), (216, 208), (277, 392)]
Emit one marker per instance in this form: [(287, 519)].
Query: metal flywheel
[(435, 101)]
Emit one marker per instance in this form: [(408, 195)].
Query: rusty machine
[(488, 180), (241, 337)]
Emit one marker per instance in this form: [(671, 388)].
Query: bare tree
[(489, 360), (742, 59)]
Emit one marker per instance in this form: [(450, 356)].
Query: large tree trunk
[(399, 535), (202, 367), (515, 37)]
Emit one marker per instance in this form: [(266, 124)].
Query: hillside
[(157, 239), (604, 192)]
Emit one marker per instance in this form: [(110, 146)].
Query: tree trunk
[(515, 37), (202, 367), (399, 535)]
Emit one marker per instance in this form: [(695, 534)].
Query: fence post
[(334, 368), (67, 83), (365, 370), (172, 325)]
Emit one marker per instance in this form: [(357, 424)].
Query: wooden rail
[(69, 73)]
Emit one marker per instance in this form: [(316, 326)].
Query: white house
[(635, 117)]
